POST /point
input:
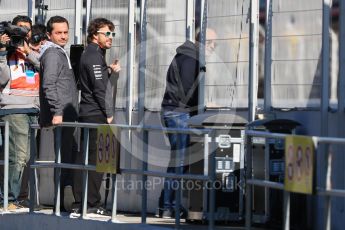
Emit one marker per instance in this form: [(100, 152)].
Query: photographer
[(4, 70), (20, 102), (37, 39)]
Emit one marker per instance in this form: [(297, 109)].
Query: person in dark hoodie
[(180, 102), (96, 104), (59, 97)]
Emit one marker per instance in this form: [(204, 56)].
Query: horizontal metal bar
[(40, 162), (264, 134), (64, 166), (133, 127), (329, 140), (236, 140), (48, 164), (123, 171), (331, 192), (163, 174), (266, 183)]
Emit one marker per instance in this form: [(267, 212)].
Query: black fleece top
[(182, 74), (97, 97)]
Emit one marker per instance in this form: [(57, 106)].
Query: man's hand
[(24, 49), (57, 120), (115, 66), (110, 119), (4, 39)]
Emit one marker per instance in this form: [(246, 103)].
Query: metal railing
[(328, 192), (144, 130), (5, 162)]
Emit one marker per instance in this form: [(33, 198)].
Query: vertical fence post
[(85, 172), (241, 183), (141, 100), (130, 60), (114, 178), (212, 175), (341, 84), (178, 181), (190, 20), (144, 177), (341, 81), (268, 58), (325, 52), (114, 198), (31, 8), (33, 178), (57, 145), (78, 23), (202, 61), (88, 13), (6, 163), (328, 175), (142, 60), (253, 59), (248, 186), (206, 170), (286, 211)]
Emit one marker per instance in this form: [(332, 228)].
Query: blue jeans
[(179, 142), (19, 149)]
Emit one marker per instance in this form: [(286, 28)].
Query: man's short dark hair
[(55, 19), (95, 25), (21, 18), (39, 29), (38, 33)]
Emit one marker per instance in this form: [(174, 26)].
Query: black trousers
[(94, 178), (69, 150)]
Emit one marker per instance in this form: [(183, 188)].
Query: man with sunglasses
[(97, 102)]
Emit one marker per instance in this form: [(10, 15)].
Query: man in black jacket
[(97, 101), (180, 101)]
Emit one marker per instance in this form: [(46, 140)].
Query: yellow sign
[(108, 150), (299, 164)]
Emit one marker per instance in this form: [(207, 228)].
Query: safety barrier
[(328, 192), (144, 130), (5, 162)]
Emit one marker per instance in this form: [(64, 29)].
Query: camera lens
[(16, 41), (35, 39)]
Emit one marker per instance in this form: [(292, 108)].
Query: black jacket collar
[(96, 47)]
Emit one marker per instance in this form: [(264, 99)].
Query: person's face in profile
[(210, 43), (26, 25), (104, 37)]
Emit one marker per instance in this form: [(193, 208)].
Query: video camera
[(17, 34), (36, 38)]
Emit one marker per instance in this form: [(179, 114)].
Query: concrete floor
[(45, 219)]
